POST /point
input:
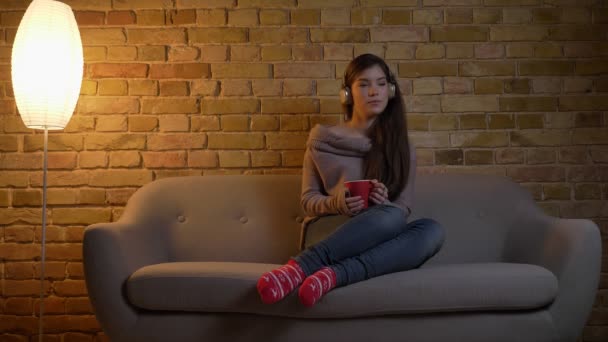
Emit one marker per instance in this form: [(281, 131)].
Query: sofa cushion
[(230, 287)]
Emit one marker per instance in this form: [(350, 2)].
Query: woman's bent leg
[(418, 242), (372, 227)]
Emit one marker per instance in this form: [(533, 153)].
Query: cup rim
[(358, 181)]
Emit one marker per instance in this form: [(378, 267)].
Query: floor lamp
[(46, 70)]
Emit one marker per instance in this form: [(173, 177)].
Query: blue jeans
[(377, 241)]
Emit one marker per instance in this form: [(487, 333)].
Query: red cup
[(360, 188)]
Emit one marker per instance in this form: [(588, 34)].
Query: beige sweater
[(334, 154)]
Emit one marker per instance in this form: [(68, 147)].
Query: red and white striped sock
[(317, 285), (278, 283)]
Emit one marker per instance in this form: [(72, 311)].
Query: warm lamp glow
[(47, 65)]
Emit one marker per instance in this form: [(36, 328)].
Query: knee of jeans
[(435, 234), (392, 221)]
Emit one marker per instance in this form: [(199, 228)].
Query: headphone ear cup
[(346, 97), (391, 90)]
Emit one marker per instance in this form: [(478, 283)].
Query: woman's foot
[(277, 284), (317, 285)]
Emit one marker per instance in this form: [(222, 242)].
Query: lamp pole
[(43, 243)]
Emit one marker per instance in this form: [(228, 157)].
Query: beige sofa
[(182, 262)]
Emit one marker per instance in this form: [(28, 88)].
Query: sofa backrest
[(257, 218), (478, 212), (222, 217)]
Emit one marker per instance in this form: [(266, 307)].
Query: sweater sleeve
[(406, 198), (314, 199)]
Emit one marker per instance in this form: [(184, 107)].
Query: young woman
[(372, 143)]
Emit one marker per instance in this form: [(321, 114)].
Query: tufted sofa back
[(222, 217), (257, 218)]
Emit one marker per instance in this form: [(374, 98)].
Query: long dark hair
[(388, 160)]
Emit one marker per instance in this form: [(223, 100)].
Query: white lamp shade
[(47, 65)]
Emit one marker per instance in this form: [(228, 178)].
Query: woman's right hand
[(354, 204)]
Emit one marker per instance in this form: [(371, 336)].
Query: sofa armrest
[(571, 249), (111, 253)]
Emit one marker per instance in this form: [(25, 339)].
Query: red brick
[(165, 36), (52, 269), (124, 70), (595, 173), (80, 215), (164, 159), (487, 68), (7, 107), (219, 35), (177, 141), (150, 18), (70, 288), (568, 103), (283, 106), (84, 18), (541, 156), (8, 143), (161, 105), (62, 160), (68, 251), (118, 196), (202, 159), (21, 324), (546, 68), (16, 161), (183, 53), (581, 209), (402, 34), (63, 323), (299, 70), (457, 85), (115, 141), (573, 155), (459, 34), (52, 305), (527, 104), (537, 174), (12, 18), (489, 51), (109, 36), (592, 191), (19, 271), (181, 17), (184, 70), (24, 288), (75, 270), (599, 154), (510, 156), (19, 306), (121, 18), (303, 53), (575, 32), (286, 141), (76, 233), (78, 305), (77, 337), (145, 123), (449, 157), (418, 69)]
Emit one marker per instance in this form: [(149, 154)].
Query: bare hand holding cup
[(379, 192), (357, 197)]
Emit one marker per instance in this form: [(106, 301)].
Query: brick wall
[(197, 87)]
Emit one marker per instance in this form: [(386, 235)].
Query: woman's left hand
[(379, 193)]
